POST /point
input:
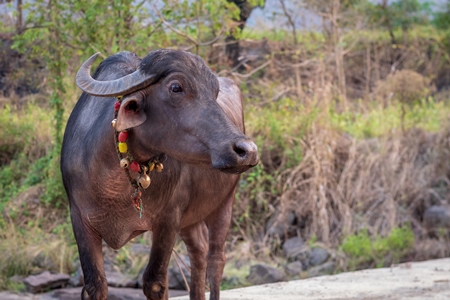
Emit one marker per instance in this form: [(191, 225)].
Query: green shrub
[(377, 120), (363, 250), (358, 248)]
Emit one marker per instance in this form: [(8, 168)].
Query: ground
[(412, 281)]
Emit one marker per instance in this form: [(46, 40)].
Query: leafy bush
[(363, 250)]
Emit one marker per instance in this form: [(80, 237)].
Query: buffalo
[(154, 144)]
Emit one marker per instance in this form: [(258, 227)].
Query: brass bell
[(113, 123), (151, 166), (124, 163), (159, 167), (145, 169), (144, 180)]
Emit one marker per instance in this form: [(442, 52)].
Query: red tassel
[(116, 106)]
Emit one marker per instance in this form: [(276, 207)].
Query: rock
[(78, 278), (75, 293), (16, 279), (45, 281), (113, 294), (43, 262), (66, 294), (117, 279), (278, 224), (139, 279), (437, 216), (140, 249), (233, 281), (176, 280), (325, 269), (109, 258), (261, 274), (318, 256), (14, 296), (294, 268), (295, 248)]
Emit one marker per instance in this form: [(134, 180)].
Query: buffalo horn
[(122, 86)]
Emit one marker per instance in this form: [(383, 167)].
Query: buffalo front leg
[(91, 258), (218, 224), (155, 282), (196, 239)]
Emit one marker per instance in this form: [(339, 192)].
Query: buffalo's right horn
[(125, 85)]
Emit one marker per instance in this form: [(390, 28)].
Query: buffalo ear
[(131, 113)]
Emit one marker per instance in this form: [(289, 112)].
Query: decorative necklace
[(127, 163)]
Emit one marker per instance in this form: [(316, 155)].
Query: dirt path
[(412, 281)]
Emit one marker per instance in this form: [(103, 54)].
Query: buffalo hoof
[(95, 295), (155, 291), (85, 295)]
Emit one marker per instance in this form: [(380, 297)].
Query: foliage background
[(350, 113)]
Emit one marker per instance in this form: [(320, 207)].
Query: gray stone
[(139, 279), (325, 269), (294, 268), (45, 281), (318, 256), (66, 294), (140, 249), (113, 294), (109, 259), (278, 224), (43, 262), (233, 281), (117, 279), (261, 274), (295, 248), (176, 280), (78, 278), (437, 216), (15, 296), (16, 279)]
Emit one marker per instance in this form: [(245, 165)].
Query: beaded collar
[(127, 163)]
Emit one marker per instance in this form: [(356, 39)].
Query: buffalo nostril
[(247, 152), (242, 152)]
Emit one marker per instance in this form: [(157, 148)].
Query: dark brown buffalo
[(173, 106)]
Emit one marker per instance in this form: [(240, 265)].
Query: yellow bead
[(123, 147)]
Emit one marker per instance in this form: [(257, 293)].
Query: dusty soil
[(412, 281)]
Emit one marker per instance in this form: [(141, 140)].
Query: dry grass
[(336, 183), (32, 250), (405, 86), (344, 185)]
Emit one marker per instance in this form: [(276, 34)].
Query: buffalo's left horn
[(124, 85)]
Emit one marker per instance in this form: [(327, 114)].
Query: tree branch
[(290, 21), (188, 37), (192, 40), (253, 71)]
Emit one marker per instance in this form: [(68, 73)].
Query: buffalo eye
[(175, 88)]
